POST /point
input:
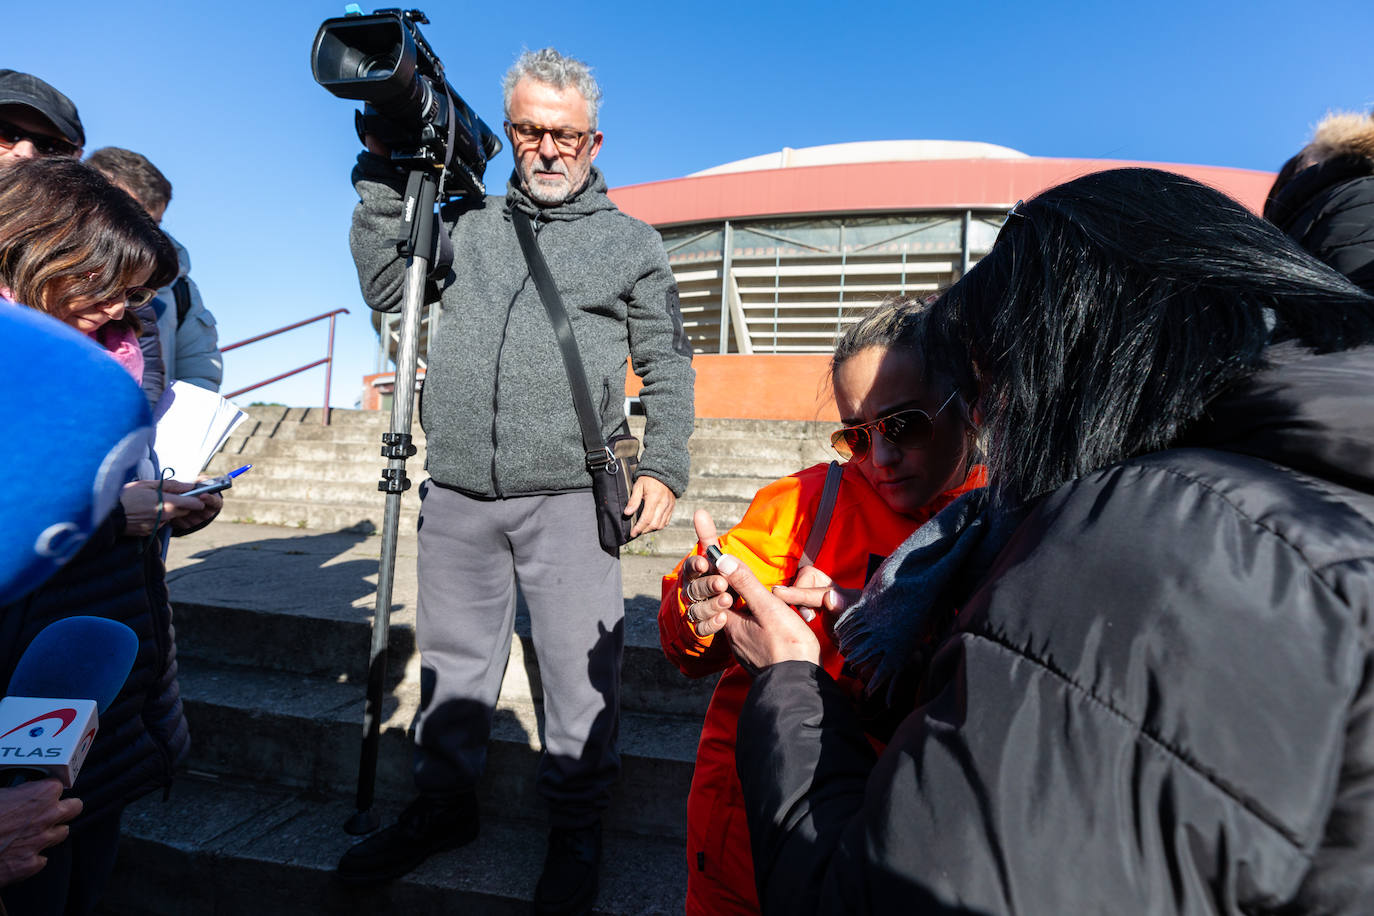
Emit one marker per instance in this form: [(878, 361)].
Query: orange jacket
[(770, 538)]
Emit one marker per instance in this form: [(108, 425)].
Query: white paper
[(192, 424)]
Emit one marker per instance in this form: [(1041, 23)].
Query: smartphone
[(213, 485)]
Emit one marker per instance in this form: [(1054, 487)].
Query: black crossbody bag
[(612, 462)]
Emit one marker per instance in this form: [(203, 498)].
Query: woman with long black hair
[(1156, 694)]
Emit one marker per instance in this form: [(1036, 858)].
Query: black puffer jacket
[(143, 733), (1161, 700)]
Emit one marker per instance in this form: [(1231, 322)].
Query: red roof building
[(775, 255)]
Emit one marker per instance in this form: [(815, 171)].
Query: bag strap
[(598, 455), (824, 510), (181, 292)]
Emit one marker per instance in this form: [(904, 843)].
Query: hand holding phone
[(213, 485), (216, 484)]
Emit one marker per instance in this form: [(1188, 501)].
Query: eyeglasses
[(11, 134), (134, 297), (565, 138), (908, 428)]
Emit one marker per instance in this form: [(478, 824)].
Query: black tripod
[(421, 222)]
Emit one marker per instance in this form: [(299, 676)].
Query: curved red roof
[(941, 184)]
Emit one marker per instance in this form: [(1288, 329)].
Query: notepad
[(192, 424)]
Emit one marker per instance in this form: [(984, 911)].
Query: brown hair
[(134, 173), (67, 233)]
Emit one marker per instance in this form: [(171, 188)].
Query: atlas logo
[(85, 746), (64, 715)]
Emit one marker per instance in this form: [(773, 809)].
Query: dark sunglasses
[(11, 134), (909, 428)]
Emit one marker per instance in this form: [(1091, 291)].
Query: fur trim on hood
[(1342, 134)]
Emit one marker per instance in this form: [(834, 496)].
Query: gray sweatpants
[(471, 554)]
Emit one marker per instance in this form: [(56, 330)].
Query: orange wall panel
[(760, 387)]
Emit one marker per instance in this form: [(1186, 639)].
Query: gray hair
[(548, 66)]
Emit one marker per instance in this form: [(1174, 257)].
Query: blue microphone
[(76, 658), (69, 674), (76, 423)]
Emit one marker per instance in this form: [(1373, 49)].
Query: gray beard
[(549, 198)]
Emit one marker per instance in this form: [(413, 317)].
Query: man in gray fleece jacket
[(509, 495)]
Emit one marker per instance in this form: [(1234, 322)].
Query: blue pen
[(237, 471)]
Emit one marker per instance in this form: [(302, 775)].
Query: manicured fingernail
[(727, 564), (807, 614)]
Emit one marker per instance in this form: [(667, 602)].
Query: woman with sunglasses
[(79, 249), (1157, 695), (911, 451)]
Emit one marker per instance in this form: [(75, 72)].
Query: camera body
[(383, 60)]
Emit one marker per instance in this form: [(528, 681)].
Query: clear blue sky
[(220, 97)]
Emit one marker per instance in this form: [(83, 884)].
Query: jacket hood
[(1309, 412), (590, 199), (1342, 135), (183, 256), (1341, 150)]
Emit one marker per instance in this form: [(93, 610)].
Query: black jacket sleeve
[(803, 761)]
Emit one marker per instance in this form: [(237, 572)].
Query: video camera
[(383, 61)]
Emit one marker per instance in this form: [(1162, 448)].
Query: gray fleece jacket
[(496, 409)]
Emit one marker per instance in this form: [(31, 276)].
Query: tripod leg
[(421, 192)]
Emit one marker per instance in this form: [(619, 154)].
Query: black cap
[(26, 89)]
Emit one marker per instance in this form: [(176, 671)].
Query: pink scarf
[(120, 341)]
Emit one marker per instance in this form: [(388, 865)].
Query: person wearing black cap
[(36, 120)]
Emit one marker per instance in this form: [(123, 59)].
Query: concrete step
[(317, 488), (304, 732), (714, 455), (262, 449), (297, 479), (771, 461), (221, 847), (315, 516), (302, 603), (358, 434), (365, 514), (313, 459), (818, 430), (320, 478), (306, 460)]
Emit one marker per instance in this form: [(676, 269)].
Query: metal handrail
[(327, 362)]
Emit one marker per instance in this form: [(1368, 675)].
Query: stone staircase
[(324, 478), (273, 625)]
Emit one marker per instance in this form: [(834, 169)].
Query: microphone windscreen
[(75, 423), (76, 658)]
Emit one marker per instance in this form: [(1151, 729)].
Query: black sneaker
[(568, 883), (427, 825)]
